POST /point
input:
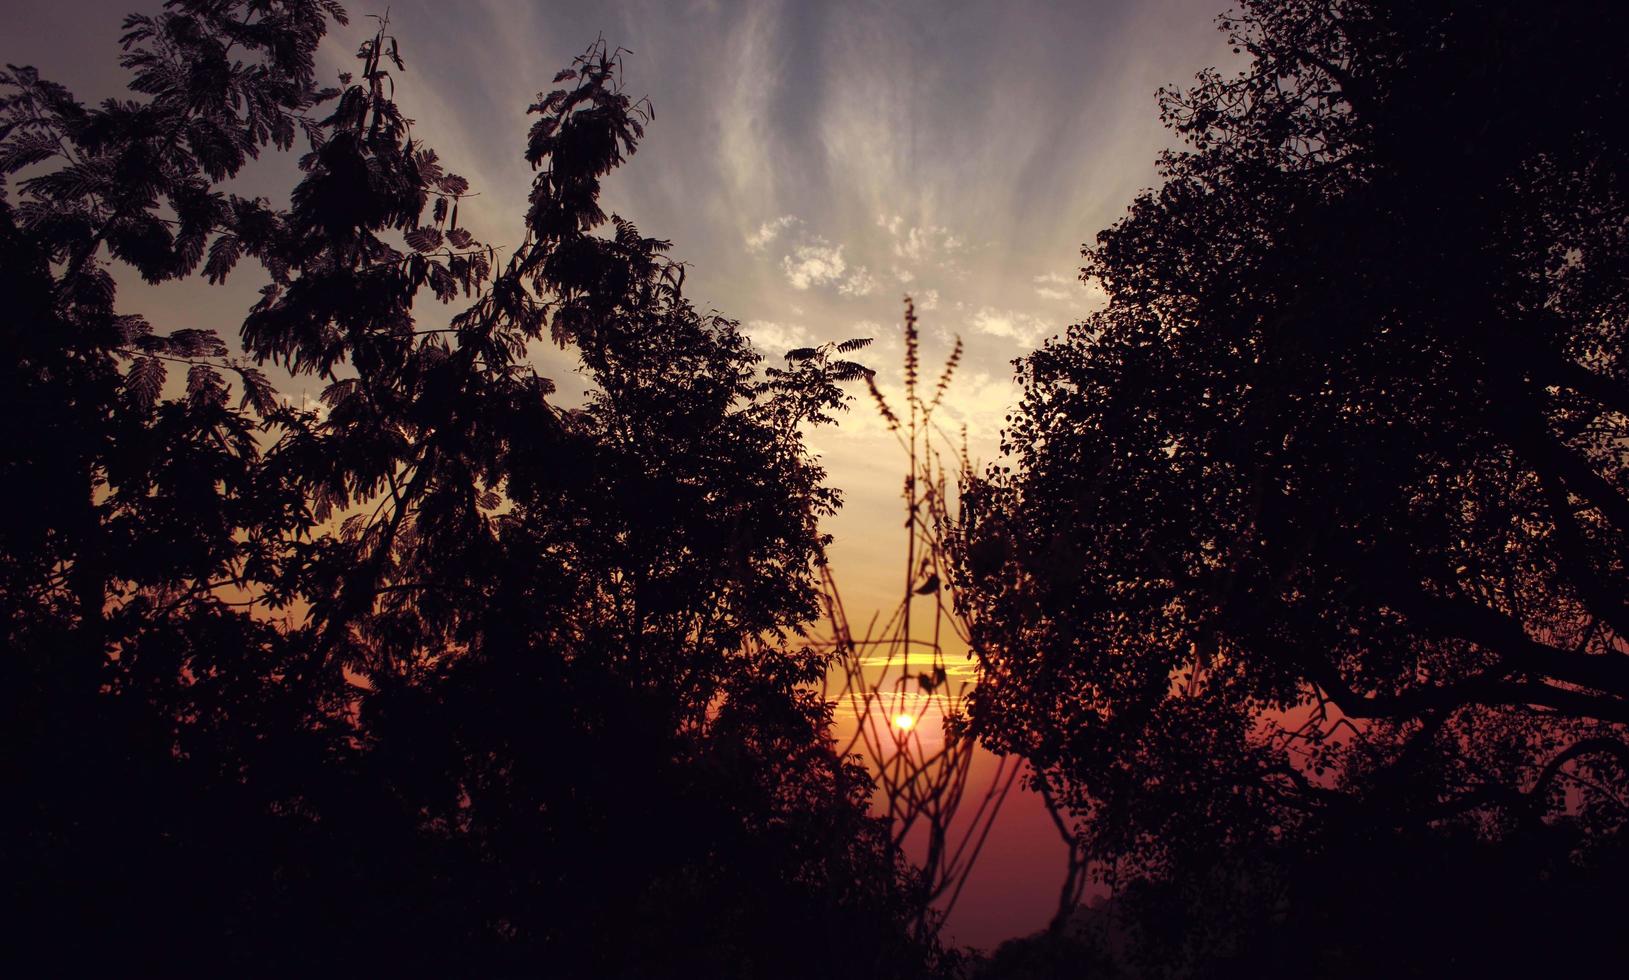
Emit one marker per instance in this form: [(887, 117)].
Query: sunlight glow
[(904, 722)]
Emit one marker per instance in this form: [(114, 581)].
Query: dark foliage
[(442, 678), (1316, 537)]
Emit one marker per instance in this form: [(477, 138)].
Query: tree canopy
[(439, 676), (1323, 521)]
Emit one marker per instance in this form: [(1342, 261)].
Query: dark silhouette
[(1310, 572), (1304, 594), (442, 678)]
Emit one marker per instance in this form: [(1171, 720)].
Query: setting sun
[(904, 722)]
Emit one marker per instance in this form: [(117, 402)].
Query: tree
[(444, 677), (1325, 516)]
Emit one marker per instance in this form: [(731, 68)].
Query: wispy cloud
[(919, 243), (1024, 328), (1087, 294)]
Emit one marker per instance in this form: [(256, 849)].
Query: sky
[(813, 163)]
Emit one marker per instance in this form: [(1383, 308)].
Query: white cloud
[(929, 300), (1023, 328), (905, 276), (775, 339), (918, 243), (861, 283), (769, 231), (1057, 287), (316, 406), (1054, 286), (814, 264)]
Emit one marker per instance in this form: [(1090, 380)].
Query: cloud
[(814, 264), (1057, 287), (775, 339), (1025, 329), (929, 300), (918, 243), (861, 283), (743, 156), (769, 231), (980, 400), (922, 243)]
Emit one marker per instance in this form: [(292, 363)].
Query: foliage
[(1323, 521), (442, 677)]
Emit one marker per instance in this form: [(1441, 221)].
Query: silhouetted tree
[(535, 699), (1321, 526)]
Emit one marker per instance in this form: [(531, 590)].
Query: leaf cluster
[(1326, 514), (436, 661)]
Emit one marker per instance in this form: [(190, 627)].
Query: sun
[(904, 722)]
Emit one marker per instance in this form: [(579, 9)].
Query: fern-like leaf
[(144, 381)]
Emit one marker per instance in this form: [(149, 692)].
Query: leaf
[(26, 150), (338, 392), (849, 371), (257, 391), (132, 328), (424, 239), (92, 288), (204, 386), (144, 381), (195, 343), (442, 282), (223, 256), (429, 167)]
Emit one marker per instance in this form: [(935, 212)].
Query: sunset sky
[(812, 163)]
